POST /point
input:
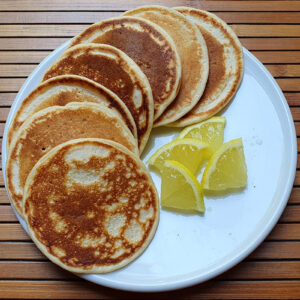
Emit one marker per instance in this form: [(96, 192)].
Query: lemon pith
[(227, 168), (180, 188), (189, 152), (210, 132)]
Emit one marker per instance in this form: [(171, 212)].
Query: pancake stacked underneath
[(73, 169)]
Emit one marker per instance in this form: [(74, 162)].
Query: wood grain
[(88, 17), (209, 290), (113, 5)]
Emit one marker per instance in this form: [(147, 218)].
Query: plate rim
[(246, 250)]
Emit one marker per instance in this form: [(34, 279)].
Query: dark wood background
[(30, 30)]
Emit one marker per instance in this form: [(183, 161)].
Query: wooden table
[(30, 30)]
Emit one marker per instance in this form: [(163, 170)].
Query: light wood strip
[(30, 57), (49, 43), (13, 232), (209, 290), (284, 70), (6, 99), (285, 232), (7, 214), (265, 30), (278, 56), (20, 250), (3, 196), (264, 270), (2, 125), (14, 84), (292, 98), (289, 84), (112, 5), (276, 250), (15, 70), (70, 30), (246, 270), (88, 17), (4, 111), (295, 112), (32, 270)]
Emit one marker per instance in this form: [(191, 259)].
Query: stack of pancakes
[(73, 169)]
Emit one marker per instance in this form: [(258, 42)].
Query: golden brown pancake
[(64, 89), (55, 125), (149, 46), (193, 55), (91, 206), (115, 70), (225, 65)]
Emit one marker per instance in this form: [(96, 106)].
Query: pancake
[(193, 55), (53, 126), (91, 206), (225, 65), (149, 46), (115, 70), (64, 89)]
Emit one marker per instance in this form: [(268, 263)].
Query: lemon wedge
[(180, 188), (210, 132), (226, 168), (189, 152)]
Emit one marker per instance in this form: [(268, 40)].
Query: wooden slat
[(292, 98), (283, 70), (297, 177), (49, 43), (276, 250), (264, 270), (16, 70), (32, 270), (4, 113), (69, 30), (265, 30), (291, 214), (13, 232), (3, 196), (278, 56), (295, 113), (285, 232), (20, 250), (73, 17), (112, 5), (7, 214), (7, 98), (209, 290), (27, 57), (289, 84), (270, 43), (295, 195), (2, 125), (11, 84), (245, 270)]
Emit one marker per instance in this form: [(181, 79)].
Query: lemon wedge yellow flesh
[(210, 132), (189, 152), (180, 188), (226, 168)]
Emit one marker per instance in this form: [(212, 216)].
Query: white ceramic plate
[(189, 249)]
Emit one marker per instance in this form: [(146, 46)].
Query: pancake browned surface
[(115, 70), (149, 46), (225, 65), (193, 55), (55, 125), (91, 206), (64, 89)]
